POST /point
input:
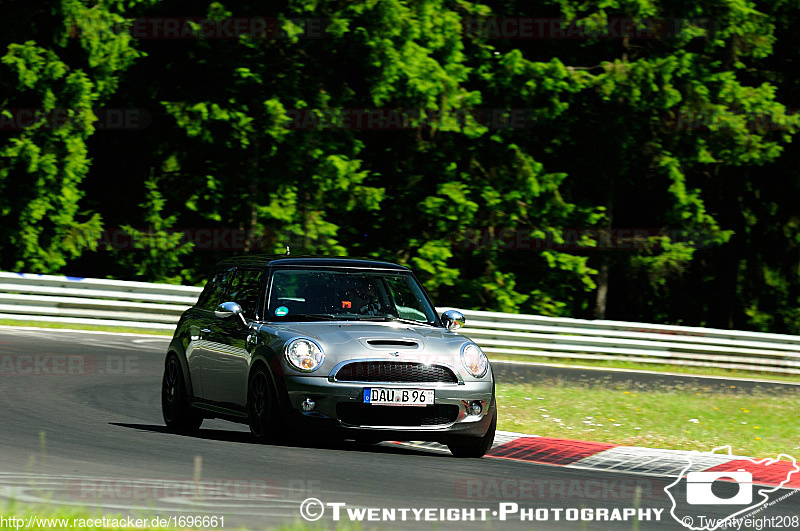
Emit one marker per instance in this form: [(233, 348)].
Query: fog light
[(308, 404), (475, 408)]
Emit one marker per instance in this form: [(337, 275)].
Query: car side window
[(406, 295), (214, 293), (245, 289)]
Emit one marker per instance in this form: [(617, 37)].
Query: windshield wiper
[(308, 316), (388, 317)]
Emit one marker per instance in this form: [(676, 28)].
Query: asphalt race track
[(81, 425)]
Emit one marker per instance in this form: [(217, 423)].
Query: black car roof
[(309, 261)]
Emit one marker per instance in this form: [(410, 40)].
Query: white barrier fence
[(141, 305), (70, 300)]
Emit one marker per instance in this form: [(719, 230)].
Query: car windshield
[(307, 295)]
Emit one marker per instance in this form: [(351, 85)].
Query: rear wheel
[(262, 412), (474, 446), (178, 413)]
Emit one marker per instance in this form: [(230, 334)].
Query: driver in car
[(362, 300)]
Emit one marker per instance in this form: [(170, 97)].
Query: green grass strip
[(760, 423)]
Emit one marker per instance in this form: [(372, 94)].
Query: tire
[(178, 413), (474, 446), (262, 410)]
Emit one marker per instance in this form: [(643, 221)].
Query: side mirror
[(453, 320), (229, 309)]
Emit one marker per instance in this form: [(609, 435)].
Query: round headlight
[(304, 355), (474, 360)]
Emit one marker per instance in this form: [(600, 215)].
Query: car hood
[(345, 340)]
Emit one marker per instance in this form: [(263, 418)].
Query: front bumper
[(332, 399)]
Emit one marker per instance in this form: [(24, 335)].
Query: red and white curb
[(609, 457)]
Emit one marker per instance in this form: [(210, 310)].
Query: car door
[(201, 319), (226, 363)]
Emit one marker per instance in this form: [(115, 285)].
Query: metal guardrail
[(146, 306), (564, 338), (72, 300)]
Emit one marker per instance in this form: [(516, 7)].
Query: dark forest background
[(628, 160)]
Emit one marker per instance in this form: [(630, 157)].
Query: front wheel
[(178, 413), (262, 411), (474, 446)]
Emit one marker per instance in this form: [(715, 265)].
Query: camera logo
[(698, 488), (740, 487)]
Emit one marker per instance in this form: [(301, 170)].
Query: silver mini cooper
[(354, 347)]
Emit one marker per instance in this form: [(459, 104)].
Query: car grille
[(394, 371), (369, 415)]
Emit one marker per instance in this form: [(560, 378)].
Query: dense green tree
[(505, 170), (59, 62)]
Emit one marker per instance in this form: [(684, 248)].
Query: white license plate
[(398, 397)]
